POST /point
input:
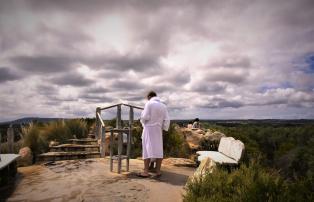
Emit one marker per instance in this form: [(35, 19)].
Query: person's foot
[(157, 176), (143, 175)]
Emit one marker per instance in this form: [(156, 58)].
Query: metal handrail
[(101, 121), (128, 105), (137, 107)]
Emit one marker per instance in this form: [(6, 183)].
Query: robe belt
[(152, 124)]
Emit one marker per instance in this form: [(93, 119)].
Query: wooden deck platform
[(8, 167), (7, 159)]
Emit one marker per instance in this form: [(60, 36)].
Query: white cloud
[(211, 59)]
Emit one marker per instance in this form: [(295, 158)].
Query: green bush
[(206, 144), (174, 143), (34, 139), (136, 150), (57, 131), (16, 147), (248, 183), (77, 127)]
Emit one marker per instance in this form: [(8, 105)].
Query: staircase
[(75, 149)]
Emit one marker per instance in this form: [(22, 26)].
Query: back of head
[(151, 94)]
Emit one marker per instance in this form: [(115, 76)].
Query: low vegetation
[(284, 172), (38, 136), (278, 164)]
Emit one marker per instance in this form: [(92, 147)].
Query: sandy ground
[(91, 180)]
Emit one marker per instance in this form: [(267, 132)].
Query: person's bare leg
[(146, 167), (158, 166)]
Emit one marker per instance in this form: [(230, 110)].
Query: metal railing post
[(119, 132), (10, 139), (98, 124), (0, 145), (118, 120), (129, 141), (111, 150), (103, 143)]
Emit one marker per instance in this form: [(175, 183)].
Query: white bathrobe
[(154, 119)]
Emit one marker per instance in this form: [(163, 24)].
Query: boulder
[(215, 136), (53, 143), (26, 157), (193, 137)]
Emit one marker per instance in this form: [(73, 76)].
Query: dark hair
[(151, 94), (197, 120)]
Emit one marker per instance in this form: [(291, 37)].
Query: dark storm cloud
[(118, 62), (236, 61), (97, 6), (67, 38), (126, 85), (209, 87), (222, 75), (222, 103), (48, 90), (72, 79), (96, 98), (141, 63), (247, 41), (7, 74), (56, 101), (96, 90), (43, 64), (178, 78)]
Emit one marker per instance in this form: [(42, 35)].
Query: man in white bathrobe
[(154, 119)]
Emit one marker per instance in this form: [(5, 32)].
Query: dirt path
[(90, 180)]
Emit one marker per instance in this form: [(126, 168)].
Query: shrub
[(136, 150), (16, 147), (206, 144), (174, 143), (34, 139), (248, 183), (77, 127), (57, 131)]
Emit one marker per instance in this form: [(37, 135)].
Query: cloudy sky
[(231, 59)]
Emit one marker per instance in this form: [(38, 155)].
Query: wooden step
[(86, 141), (91, 135), (74, 148), (58, 156)]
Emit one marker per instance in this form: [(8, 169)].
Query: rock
[(211, 140), (179, 162), (193, 137), (53, 143), (215, 136), (206, 166), (199, 131), (26, 157)]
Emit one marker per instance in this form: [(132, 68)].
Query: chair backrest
[(231, 147)]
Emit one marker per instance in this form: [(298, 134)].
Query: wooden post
[(10, 138), (120, 147), (102, 143), (0, 145), (118, 121), (118, 126), (129, 142), (98, 124), (111, 150)]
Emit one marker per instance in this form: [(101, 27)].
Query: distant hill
[(27, 120)]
